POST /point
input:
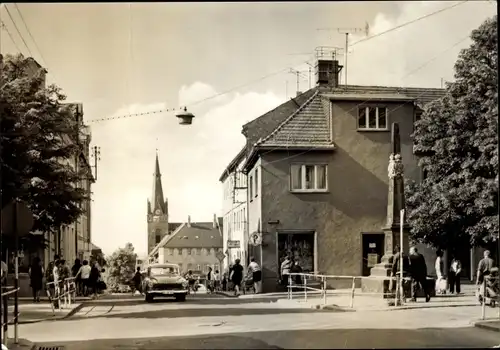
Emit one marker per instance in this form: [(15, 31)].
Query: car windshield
[(164, 270)]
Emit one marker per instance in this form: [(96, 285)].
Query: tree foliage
[(457, 202), (39, 137), (121, 266)]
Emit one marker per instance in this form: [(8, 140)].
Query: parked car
[(164, 280)]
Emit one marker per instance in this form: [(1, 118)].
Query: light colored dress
[(440, 281)]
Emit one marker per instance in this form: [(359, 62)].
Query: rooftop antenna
[(348, 31), (298, 75)]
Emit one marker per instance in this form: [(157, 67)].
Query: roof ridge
[(166, 239), (278, 128)]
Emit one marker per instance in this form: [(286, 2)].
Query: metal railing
[(6, 292), (64, 293), (320, 281), (488, 295)]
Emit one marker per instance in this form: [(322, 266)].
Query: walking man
[(418, 273), (256, 272)]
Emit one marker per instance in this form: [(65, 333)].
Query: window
[(308, 178), (180, 267), (372, 118), (198, 267), (158, 239), (189, 266), (170, 251), (185, 251), (256, 177), (212, 251), (250, 187)]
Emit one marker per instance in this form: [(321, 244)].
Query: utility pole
[(96, 153), (346, 32)]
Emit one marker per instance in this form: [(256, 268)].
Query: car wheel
[(148, 298), (180, 297)]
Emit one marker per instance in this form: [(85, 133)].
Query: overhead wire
[(2, 24), (271, 74), (31, 35), (18, 31), (410, 22)]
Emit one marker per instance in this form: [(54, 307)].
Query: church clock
[(158, 212)]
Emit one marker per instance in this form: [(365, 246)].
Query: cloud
[(191, 161), (388, 59)]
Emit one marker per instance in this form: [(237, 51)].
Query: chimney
[(328, 72), (216, 224), (189, 221), (298, 93)]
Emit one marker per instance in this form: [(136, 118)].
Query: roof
[(304, 122), (233, 164), (197, 235)]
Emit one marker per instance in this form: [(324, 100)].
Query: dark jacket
[(395, 263), (418, 267)]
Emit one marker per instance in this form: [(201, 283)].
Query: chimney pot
[(328, 72), (189, 221)]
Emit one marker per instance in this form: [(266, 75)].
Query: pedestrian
[(256, 272), (439, 267), (35, 273), (210, 282), (484, 267), (5, 270), (418, 274), (191, 281), (286, 265), (78, 279), (94, 277), (137, 281), (49, 275), (217, 280), (56, 271), (84, 274), (297, 269), (454, 275), (396, 267), (224, 282), (236, 276)]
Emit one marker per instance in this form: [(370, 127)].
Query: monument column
[(395, 202)]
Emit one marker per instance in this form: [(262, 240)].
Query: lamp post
[(185, 117)]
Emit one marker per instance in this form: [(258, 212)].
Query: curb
[(227, 295), (54, 318), (398, 308), (486, 326)]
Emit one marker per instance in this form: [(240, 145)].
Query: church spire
[(157, 200)]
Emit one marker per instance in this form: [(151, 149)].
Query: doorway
[(373, 250)]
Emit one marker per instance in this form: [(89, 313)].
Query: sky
[(121, 58)]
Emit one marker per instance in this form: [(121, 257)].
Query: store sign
[(233, 244), (372, 260), (372, 245)]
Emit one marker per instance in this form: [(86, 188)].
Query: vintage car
[(164, 280)]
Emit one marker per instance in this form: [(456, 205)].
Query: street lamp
[(185, 117)]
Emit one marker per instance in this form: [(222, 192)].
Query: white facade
[(235, 215)]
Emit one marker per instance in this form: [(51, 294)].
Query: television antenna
[(299, 75), (347, 32)]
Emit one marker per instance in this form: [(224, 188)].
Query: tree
[(121, 266), (457, 203), (39, 137)]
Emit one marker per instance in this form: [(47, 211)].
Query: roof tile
[(198, 235)]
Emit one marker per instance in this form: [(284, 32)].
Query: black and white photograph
[(249, 175)]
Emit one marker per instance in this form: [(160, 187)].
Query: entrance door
[(373, 249)]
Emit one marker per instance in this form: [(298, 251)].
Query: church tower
[(157, 211)]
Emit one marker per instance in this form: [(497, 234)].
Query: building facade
[(235, 234), (193, 246), (317, 174)]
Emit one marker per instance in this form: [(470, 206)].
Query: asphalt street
[(211, 321)]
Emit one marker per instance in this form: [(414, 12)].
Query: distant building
[(193, 246), (235, 234)]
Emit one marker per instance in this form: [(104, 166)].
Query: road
[(209, 321)]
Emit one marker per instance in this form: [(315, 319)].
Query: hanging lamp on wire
[(185, 117)]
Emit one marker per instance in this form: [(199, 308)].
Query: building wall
[(156, 226), (254, 202), (356, 200), (235, 216), (203, 257)]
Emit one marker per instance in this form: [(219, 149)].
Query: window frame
[(303, 178), (250, 188), (367, 120), (256, 182)]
